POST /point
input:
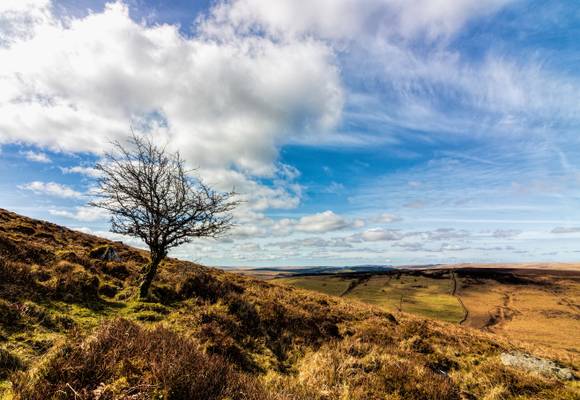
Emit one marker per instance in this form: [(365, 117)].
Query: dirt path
[(503, 313), (454, 293), (353, 284)]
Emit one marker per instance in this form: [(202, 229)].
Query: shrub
[(14, 273)]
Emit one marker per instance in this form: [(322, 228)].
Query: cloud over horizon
[(407, 127)]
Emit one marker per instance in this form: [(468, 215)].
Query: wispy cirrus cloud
[(565, 230)]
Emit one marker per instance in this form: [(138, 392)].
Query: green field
[(332, 285), (414, 294)]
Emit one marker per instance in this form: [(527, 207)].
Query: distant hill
[(71, 327), (538, 303), (321, 269)]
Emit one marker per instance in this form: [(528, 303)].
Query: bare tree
[(150, 195)]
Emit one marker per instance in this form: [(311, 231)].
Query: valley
[(535, 303)]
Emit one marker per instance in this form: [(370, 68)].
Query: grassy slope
[(546, 314), (70, 327), (331, 285), (422, 296), (414, 294), (537, 306)]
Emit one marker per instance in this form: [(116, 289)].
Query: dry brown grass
[(545, 313), (212, 334), (125, 361)]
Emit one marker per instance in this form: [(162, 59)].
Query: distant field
[(545, 311), (537, 305), (332, 285), (414, 294)]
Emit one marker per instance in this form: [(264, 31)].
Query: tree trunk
[(149, 274)]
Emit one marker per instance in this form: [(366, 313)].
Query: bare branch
[(150, 195)]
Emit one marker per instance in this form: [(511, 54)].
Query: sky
[(355, 132)]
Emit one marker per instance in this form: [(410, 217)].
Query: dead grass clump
[(23, 229), (74, 284), (305, 323), (107, 290), (206, 287), (35, 313), (45, 236), (223, 335), (358, 371), (164, 293), (14, 273), (117, 270), (492, 380), (124, 360), (73, 257), (19, 316), (377, 330), (9, 363), (19, 281), (24, 250), (246, 313), (9, 315)]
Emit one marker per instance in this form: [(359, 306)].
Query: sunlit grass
[(331, 285), (414, 294)]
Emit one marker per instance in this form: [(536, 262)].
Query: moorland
[(538, 303), (72, 326)]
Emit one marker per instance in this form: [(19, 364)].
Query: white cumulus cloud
[(322, 222), (83, 213), (227, 103), (51, 189), (37, 157)]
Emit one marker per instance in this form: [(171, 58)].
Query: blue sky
[(384, 131)]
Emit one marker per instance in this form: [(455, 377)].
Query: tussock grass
[(123, 360)]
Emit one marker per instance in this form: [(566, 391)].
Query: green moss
[(149, 316)]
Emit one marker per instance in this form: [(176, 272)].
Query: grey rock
[(531, 363), (110, 255)]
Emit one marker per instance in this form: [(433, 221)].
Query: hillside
[(538, 303), (72, 328)]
